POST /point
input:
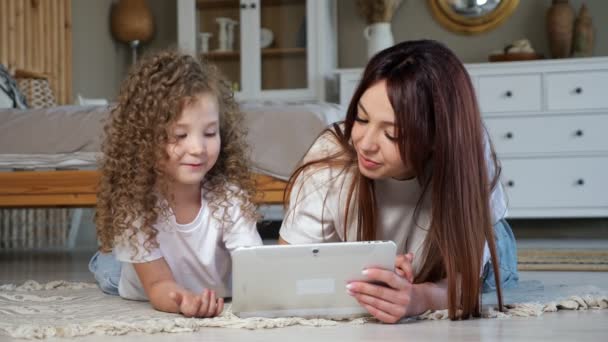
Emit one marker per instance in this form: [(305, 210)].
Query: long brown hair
[(440, 134), (151, 99)]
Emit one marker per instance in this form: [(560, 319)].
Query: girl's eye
[(211, 134), (180, 136), (358, 119)]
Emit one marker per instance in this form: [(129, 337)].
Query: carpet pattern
[(562, 260), (64, 309)]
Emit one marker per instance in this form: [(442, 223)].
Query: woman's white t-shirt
[(198, 253), (318, 205)]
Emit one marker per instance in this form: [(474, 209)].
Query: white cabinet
[(509, 93), (548, 122), (281, 49), (572, 90)]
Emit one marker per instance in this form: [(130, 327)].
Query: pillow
[(37, 91), (10, 96)]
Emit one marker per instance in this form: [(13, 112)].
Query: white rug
[(63, 309)]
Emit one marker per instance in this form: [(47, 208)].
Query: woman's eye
[(180, 136), (358, 119), (210, 134), (390, 137)]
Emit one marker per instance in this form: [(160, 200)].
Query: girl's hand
[(387, 303), (205, 304)]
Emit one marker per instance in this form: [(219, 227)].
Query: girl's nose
[(196, 146)]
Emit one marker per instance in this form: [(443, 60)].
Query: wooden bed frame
[(77, 188)]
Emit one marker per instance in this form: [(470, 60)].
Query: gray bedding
[(69, 136)]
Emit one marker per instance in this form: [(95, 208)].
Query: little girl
[(175, 192)]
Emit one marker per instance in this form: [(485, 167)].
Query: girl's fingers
[(204, 307), (190, 306), (177, 297), (212, 305), (220, 306)]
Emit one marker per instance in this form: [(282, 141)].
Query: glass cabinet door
[(219, 36), (260, 45), (283, 44)]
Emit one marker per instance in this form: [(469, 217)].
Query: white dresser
[(548, 121)]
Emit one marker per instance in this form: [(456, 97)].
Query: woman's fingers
[(388, 304), (387, 277), (403, 266), (394, 310), (380, 315), (399, 297)]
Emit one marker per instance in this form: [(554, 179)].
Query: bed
[(48, 156)]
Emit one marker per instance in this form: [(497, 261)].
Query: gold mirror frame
[(453, 21)]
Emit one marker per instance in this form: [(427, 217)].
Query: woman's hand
[(205, 304), (387, 303)]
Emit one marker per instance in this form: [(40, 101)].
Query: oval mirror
[(471, 16)]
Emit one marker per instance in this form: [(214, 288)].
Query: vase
[(560, 18), (378, 37), (583, 34), (131, 22)]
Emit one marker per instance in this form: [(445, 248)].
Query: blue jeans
[(507, 258), (106, 269)]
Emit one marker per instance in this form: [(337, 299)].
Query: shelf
[(283, 2), (273, 52), (215, 4), (222, 54)]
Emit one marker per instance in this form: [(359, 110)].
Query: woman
[(411, 163)]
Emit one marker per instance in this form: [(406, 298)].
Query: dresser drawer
[(509, 93), (550, 134), (577, 90), (556, 182)]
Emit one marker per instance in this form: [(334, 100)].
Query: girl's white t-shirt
[(318, 201), (198, 253)]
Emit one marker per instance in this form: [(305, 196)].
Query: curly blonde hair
[(151, 99)]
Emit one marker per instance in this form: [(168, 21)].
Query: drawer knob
[(580, 182), (509, 93), (510, 184), (252, 5), (509, 135), (578, 90), (243, 6), (579, 133)]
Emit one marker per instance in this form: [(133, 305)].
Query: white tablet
[(304, 280)]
